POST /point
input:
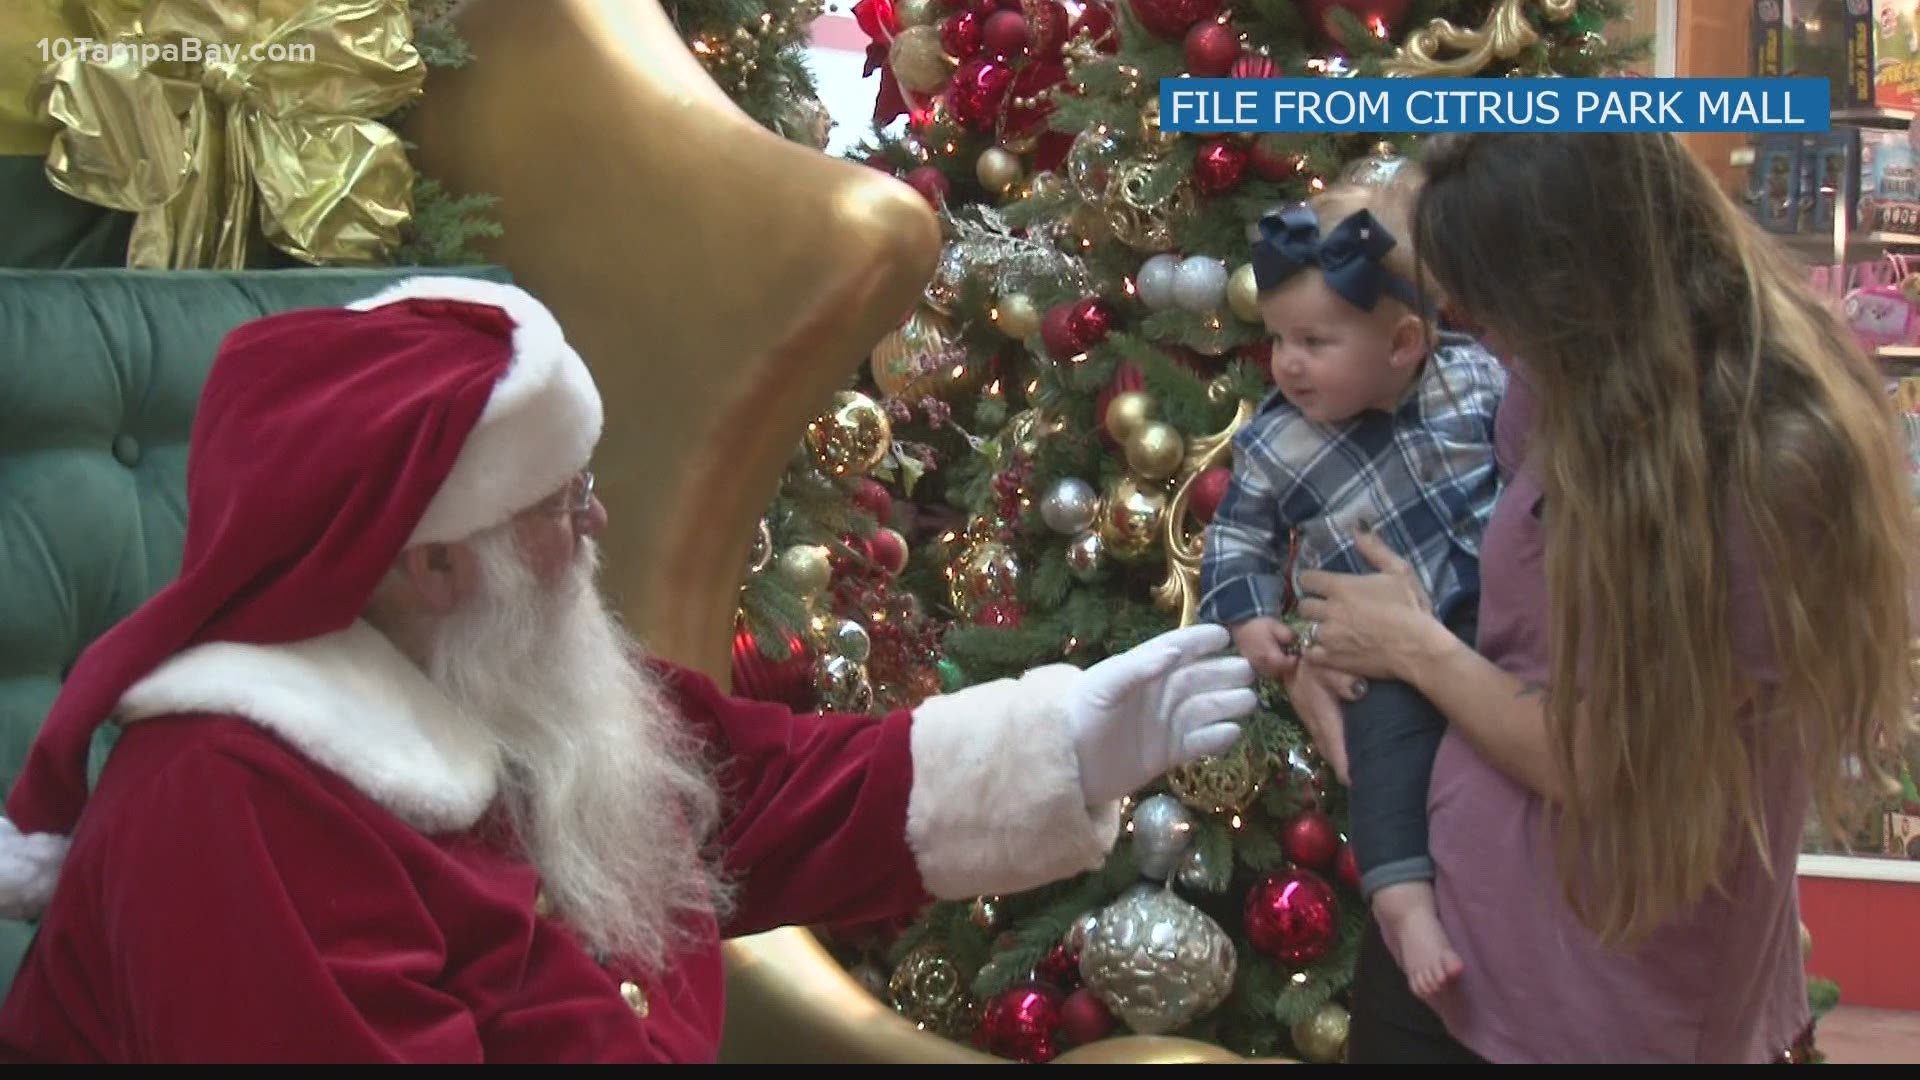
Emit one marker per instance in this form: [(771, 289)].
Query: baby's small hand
[(1267, 644)]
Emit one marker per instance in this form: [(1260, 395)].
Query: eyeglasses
[(577, 499)]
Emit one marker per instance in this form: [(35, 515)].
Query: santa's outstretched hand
[(1158, 705)]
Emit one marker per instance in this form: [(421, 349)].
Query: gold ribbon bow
[(182, 110)]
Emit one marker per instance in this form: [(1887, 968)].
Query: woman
[(1694, 615)]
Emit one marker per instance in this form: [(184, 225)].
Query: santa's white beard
[(610, 797)]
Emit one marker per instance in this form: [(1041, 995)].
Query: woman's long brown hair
[(1695, 397)]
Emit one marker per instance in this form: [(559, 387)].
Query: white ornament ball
[(1154, 282), (1200, 285)]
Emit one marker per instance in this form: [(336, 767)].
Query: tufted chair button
[(126, 450)]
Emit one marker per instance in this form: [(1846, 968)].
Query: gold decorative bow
[(183, 109)]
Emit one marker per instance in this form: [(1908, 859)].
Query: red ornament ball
[(789, 680), (1001, 615), (1208, 491), (1254, 66), (1006, 33), (1061, 968), (1096, 19), (1021, 1022), (978, 90), (1274, 159), (1218, 167), (1046, 28), (963, 35), (1373, 14), (1293, 917), (1084, 1018), (872, 497), (1211, 47), (1347, 868), (931, 183), (1057, 331), (1170, 18), (1089, 323), (888, 550), (1310, 839)]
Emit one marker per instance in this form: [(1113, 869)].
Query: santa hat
[(326, 442)]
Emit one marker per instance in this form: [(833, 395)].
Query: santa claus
[(393, 785)]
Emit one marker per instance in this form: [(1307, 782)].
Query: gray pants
[(1392, 736)]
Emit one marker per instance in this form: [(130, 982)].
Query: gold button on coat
[(635, 998)]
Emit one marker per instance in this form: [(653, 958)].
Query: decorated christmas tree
[(1078, 366), (756, 51), (820, 623)]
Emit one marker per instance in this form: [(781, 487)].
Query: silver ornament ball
[(1157, 962), (1196, 870), (1070, 506), (1154, 282), (1200, 285), (1162, 832), (850, 640), (1086, 556)]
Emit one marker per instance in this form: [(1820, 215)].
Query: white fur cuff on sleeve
[(996, 805)]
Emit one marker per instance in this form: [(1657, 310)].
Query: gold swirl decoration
[(1180, 590), (1502, 36)]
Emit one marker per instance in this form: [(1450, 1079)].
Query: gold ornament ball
[(985, 913), (1155, 141), (1155, 450), (929, 989), (1243, 294), (918, 61), (917, 12), (988, 573), (1016, 316), (1220, 390), (1130, 518), (998, 170), (895, 361), (1322, 1037), (852, 437), (806, 568), (1149, 1050), (1127, 413)]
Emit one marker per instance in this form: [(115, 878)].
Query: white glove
[(1160, 704)]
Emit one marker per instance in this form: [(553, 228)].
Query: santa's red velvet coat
[(294, 854)]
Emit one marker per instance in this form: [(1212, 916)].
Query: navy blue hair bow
[(1349, 256)]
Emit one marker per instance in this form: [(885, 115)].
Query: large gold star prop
[(721, 282)]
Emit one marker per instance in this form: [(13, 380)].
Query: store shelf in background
[(1860, 246), (1876, 116)]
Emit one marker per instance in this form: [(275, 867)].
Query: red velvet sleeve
[(816, 809), (252, 916)]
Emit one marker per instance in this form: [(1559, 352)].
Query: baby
[(1380, 422)]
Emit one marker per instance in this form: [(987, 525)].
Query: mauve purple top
[(1722, 983)]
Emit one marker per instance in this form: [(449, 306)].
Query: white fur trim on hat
[(29, 868), (539, 427)]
